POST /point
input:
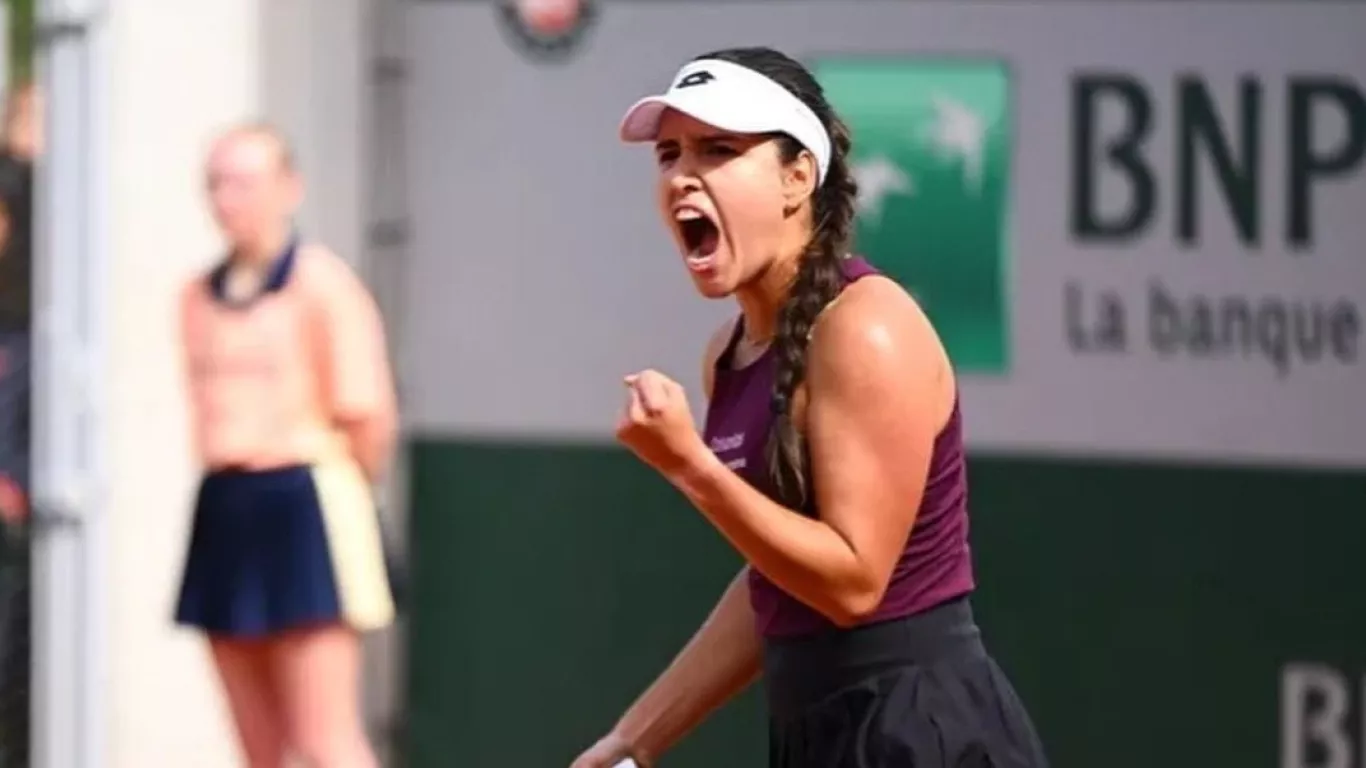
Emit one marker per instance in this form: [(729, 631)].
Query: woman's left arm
[(361, 387), (875, 370)]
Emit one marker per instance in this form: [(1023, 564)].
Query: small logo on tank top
[(725, 444)]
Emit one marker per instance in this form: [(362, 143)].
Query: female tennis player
[(832, 458), (293, 411)]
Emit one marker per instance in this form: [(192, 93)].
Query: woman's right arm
[(358, 372), (720, 661), (188, 339)]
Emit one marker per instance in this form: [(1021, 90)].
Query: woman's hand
[(611, 751), (657, 424)]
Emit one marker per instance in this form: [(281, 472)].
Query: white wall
[(178, 72), (540, 273), (314, 62)]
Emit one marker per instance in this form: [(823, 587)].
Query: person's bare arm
[(721, 660), (874, 387), (361, 380), (185, 339)]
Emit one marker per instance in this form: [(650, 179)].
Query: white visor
[(735, 99)]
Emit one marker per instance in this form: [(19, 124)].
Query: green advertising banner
[(932, 161)]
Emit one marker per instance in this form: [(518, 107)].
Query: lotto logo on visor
[(696, 78), (734, 99)]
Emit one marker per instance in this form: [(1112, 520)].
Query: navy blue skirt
[(281, 549), (918, 692)]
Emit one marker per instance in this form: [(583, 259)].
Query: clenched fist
[(657, 424)]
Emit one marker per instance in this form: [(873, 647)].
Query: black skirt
[(918, 692)]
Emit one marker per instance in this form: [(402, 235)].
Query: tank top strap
[(727, 357), (855, 267)]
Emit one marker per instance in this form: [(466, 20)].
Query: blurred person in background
[(15, 329), (22, 141), (294, 418)]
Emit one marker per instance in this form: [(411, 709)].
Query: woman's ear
[(799, 179)]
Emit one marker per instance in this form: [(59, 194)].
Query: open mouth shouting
[(699, 235)]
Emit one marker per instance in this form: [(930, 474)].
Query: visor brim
[(642, 120)]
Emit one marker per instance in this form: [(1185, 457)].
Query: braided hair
[(819, 276)]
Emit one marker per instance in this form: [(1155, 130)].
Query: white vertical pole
[(68, 478)]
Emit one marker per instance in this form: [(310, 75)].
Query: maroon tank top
[(935, 565)]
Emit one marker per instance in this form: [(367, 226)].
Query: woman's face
[(724, 198), (251, 192)]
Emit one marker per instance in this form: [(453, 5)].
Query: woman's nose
[(684, 180)]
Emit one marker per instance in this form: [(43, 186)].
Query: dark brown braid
[(819, 277)]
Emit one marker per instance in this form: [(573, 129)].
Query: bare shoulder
[(326, 275), (195, 290), (316, 261), (875, 328), (716, 346), (195, 285)]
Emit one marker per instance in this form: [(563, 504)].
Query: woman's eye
[(721, 150)]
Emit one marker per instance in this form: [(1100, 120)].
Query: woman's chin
[(712, 286)]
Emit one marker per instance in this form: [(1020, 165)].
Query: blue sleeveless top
[(935, 565)]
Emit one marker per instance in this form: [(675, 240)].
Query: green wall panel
[(1142, 611)]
